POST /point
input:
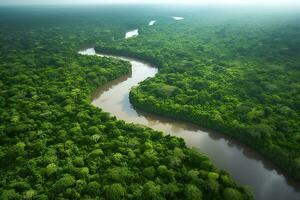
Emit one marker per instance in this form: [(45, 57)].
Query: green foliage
[(93, 188), (151, 191), (213, 175), (115, 192), (56, 145), (193, 193), (51, 169), (232, 194), (63, 183)]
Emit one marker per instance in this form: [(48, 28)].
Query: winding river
[(245, 165)]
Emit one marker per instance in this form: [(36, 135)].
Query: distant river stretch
[(132, 33), (244, 164)]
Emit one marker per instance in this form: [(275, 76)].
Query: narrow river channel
[(245, 165)]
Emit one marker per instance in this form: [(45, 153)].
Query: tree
[(213, 175), (10, 195), (63, 183), (51, 169), (17, 150), (93, 188), (115, 191), (149, 172), (78, 161), (232, 194), (119, 174), (170, 190), (151, 191), (192, 192)]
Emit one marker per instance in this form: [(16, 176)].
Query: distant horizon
[(186, 6), (271, 3)]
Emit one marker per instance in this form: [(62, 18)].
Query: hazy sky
[(226, 2)]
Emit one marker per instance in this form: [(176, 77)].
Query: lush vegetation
[(56, 145), (234, 72)]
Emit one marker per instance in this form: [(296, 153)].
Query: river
[(152, 22), (178, 18), (245, 165), (132, 33)]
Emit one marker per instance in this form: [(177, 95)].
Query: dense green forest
[(56, 145), (234, 72)]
